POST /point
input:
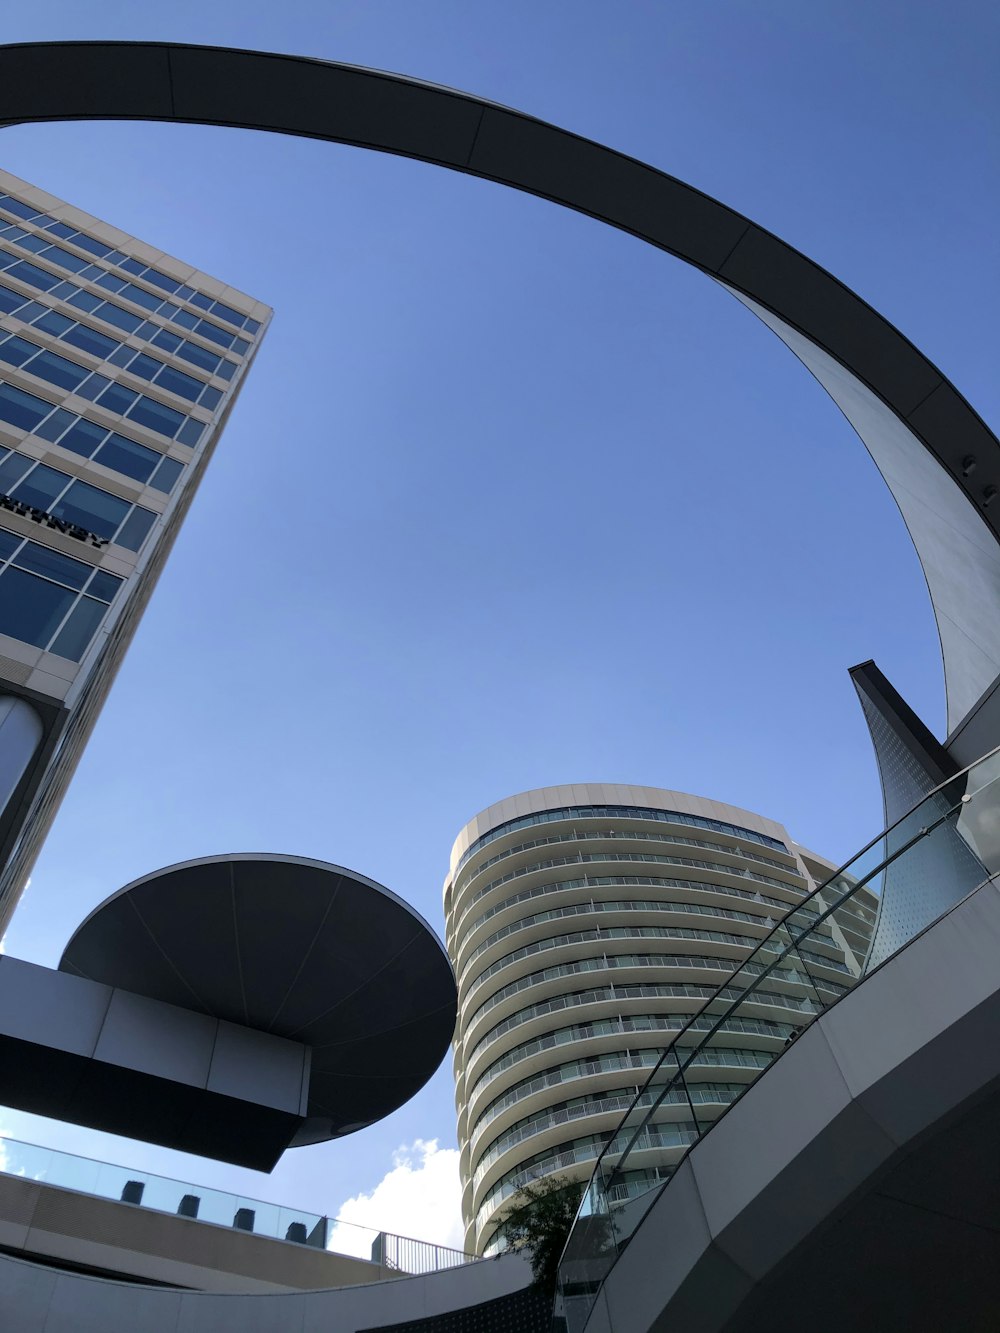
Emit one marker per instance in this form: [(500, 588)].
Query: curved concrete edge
[(39, 1299), (891, 1062), (812, 311)]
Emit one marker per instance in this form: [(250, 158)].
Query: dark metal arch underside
[(394, 114)]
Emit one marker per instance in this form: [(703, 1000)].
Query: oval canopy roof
[(294, 947)]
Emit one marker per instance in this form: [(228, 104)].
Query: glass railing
[(394, 1255), (947, 846)]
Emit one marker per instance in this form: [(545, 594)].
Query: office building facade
[(587, 925), (119, 366)]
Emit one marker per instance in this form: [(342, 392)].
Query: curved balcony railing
[(920, 867)]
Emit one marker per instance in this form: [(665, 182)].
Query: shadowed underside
[(939, 459)]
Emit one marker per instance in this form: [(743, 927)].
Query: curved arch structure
[(939, 459)]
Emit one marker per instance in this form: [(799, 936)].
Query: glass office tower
[(587, 925), (118, 368)]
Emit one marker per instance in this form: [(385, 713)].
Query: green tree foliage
[(539, 1220)]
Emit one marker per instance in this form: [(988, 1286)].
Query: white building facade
[(587, 925), (119, 366)]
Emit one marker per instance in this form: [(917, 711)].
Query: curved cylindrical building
[(587, 924)]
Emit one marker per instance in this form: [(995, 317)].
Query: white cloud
[(421, 1197)]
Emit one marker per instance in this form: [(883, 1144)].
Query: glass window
[(61, 230), (43, 560), (33, 243), (158, 279), (190, 433), (95, 510), (97, 344), (20, 408), (121, 319), (184, 293), (168, 310), (8, 544), (112, 282), (241, 345), (57, 370), (135, 529), (133, 266), (86, 301), (55, 425), (210, 398), (202, 302), (31, 608), (122, 356), (165, 477), (168, 341), (216, 335), (55, 254), (185, 318), (134, 460), (104, 585), (12, 469), (177, 382), (145, 366), (15, 351), (35, 277), (227, 313), (89, 243), (94, 387), (252, 326), (156, 417), (226, 369), (18, 209), (116, 398), (74, 638), (141, 297), (198, 356), (83, 438), (41, 487), (10, 301), (52, 322)]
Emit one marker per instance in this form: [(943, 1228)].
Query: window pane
[(145, 366), (104, 585), (166, 475), (210, 398), (167, 340), (61, 230), (141, 297), (216, 335), (41, 487), (203, 302), (133, 266), (135, 528), (135, 460), (20, 408), (57, 370), (10, 301), (241, 346), (75, 636), (15, 351), (156, 417), (112, 282), (54, 323), (177, 382), (57, 255), (12, 469), (190, 433), (95, 510), (158, 279), (226, 369), (56, 424), (8, 544), (18, 209), (121, 356), (32, 243), (199, 356), (117, 399), (97, 344), (31, 608), (185, 318), (227, 313), (36, 277), (121, 319), (252, 326), (88, 243), (83, 438), (85, 301), (63, 568)]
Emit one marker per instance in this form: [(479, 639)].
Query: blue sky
[(511, 499)]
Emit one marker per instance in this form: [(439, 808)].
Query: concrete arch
[(939, 459)]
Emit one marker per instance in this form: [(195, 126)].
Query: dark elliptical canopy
[(294, 947)]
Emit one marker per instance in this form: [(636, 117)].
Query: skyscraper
[(119, 366), (587, 925)]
